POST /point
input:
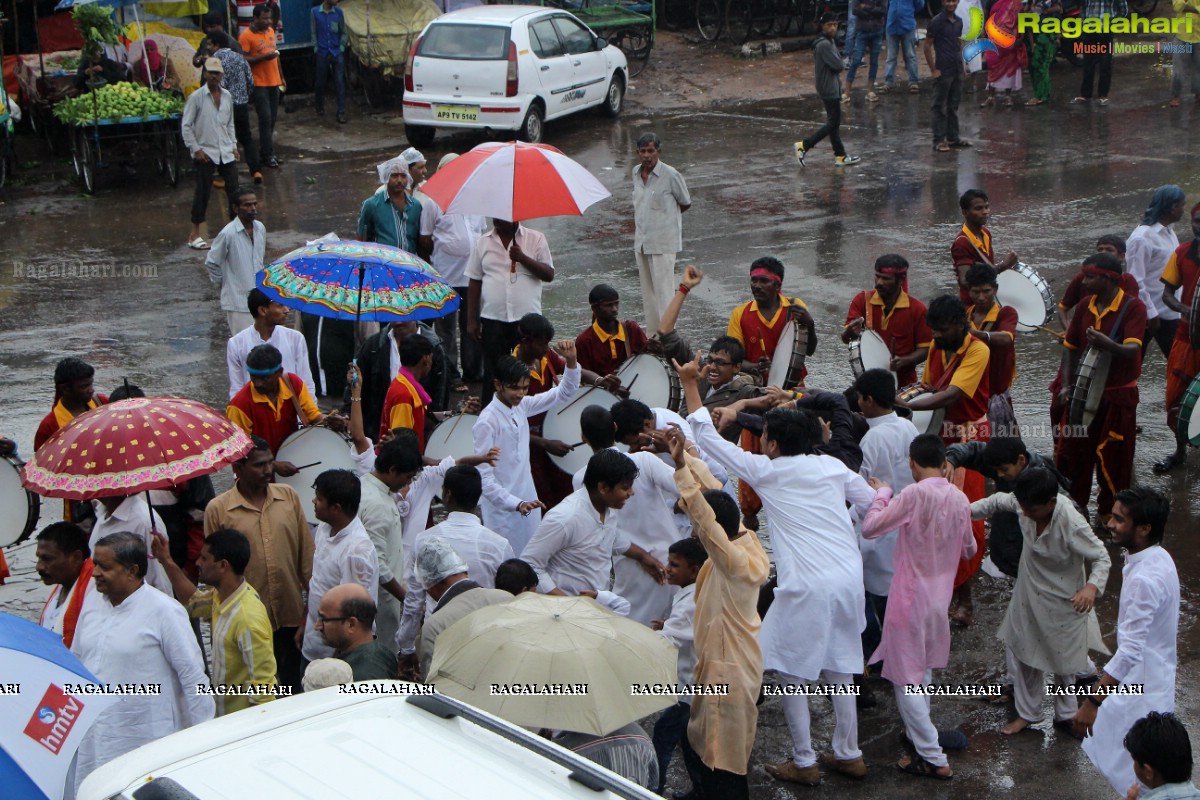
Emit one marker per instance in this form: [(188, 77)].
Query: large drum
[(20, 507), (1091, 378), (1189, 417), (869, 352), (452, 438), (1029, 295), (314, 450), (562, 423), (787, 367), (924, 421), (652, 381)]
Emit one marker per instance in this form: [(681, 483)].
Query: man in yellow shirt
[(243, 660)]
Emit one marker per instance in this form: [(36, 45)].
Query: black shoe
[(320, 110), (1169, 463), (342, 119), (273, 162)]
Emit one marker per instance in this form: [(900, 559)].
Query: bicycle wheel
[(739, 20), (636, 44), (762, 16), (710, 18), (785, 12)]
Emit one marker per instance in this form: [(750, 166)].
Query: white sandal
[(198, 244)]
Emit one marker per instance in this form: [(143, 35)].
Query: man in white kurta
[(381, 520), (146, 639), (1147, 628), (134, 516), (510, 483), (343, 557), (647, 521), (270, 327), (574, 546), (813, 626)]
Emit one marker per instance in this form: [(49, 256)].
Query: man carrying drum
[(996, 326), (974, 241), (758, 325), (1114, 322), (957, 374), (608, 343), (898, 318), (1183, 364)]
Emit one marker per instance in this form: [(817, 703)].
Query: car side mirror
[(601, 43)]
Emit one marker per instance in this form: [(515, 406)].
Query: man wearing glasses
[(505, 273), (726, 384), (344, 620)]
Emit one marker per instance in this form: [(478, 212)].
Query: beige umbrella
[(554, 662)]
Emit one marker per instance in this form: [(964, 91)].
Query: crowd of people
[(874, 497)]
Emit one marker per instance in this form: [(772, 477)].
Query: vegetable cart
[(101, 143)]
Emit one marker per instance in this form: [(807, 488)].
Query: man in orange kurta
[(720, 736)]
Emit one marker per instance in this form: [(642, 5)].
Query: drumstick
[(580, 397), (306, 466), (577, 444), (1047, 330)]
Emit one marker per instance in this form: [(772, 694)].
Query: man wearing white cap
[(443, 573), (415, 161), (210, 137), (446, 241), (391, 216)]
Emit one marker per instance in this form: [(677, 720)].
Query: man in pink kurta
[(934, 521)]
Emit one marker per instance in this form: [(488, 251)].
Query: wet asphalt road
[(1058, 178)]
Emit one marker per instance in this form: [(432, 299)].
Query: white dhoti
[(657, 274)]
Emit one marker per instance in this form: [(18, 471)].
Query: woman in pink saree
[(1004, 66)]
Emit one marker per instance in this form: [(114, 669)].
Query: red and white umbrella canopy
[(514, 181)]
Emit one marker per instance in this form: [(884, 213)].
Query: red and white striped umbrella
[(514, 181)]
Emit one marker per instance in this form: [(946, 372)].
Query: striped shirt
[(242, 654)]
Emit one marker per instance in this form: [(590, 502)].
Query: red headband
[(892, 270), (763, 272), (1099, 272)]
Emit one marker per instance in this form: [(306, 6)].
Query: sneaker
[(258, 178), (843, 161), (852, 768), (800, 153), (872, 97)]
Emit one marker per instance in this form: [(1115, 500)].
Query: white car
[(379, 741), (508, 68)]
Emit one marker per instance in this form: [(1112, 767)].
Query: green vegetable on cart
[(118, 101)]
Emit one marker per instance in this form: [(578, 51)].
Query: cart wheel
[(375, 87), (39, 123), (73, 142), (636, 44), (739, 20), (171, 155), (4, 158), (87, 162), (710, 18)]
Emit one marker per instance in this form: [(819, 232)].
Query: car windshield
[(465, 42)]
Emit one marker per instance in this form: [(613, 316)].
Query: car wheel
[(614, 101), (531, 129), (419, 135)]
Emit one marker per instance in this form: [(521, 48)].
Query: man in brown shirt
[(281, 549)]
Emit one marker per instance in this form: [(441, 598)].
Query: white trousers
[(1029, 692), (657, 274), (914, 711), (238, 321), (845, 715)]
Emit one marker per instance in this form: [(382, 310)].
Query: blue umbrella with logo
[(45, 710)]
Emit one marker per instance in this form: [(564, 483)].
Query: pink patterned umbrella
[(134, 445)]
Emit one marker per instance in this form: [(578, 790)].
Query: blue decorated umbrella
[(358, 281)]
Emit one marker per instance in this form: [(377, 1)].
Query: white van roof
[(337, 744)]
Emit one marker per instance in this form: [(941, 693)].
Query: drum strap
[(948, 373), (296, 403), (975, 246)]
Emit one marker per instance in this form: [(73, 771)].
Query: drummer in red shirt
[(608, 343), (996, 326), (406, 401), (73, 395), (1108, 446), (974, 241), (898, 318), (957, 374), (272, 402), (1183, 364)]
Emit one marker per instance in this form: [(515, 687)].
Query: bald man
[(345, 620)]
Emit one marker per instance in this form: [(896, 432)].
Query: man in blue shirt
[(901, 30), (329, 33)]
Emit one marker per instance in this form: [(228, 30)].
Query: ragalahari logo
[(997, 38), (52, 719)]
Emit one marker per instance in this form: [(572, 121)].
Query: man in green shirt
[(345, 619)]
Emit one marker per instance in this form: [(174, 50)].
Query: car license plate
[(456, 113)]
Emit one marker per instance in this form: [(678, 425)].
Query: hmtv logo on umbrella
[(997, 38), (52, 719)]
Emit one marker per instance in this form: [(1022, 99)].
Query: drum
[(788, 365), (924, 421), (315, 450), (562, 423), (869, 352), (452, 438), (653, 381), (21, 507), (1024, 289), (1189, 418), (1091, 377), (1194, 323)]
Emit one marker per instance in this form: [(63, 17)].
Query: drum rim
[(1184, 423), (790, 325), (33, 504)]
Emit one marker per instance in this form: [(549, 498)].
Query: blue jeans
[(851, 31), (865, 43), (325, 61), (908, 42)]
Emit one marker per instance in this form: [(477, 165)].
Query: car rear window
[(465, 42)]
